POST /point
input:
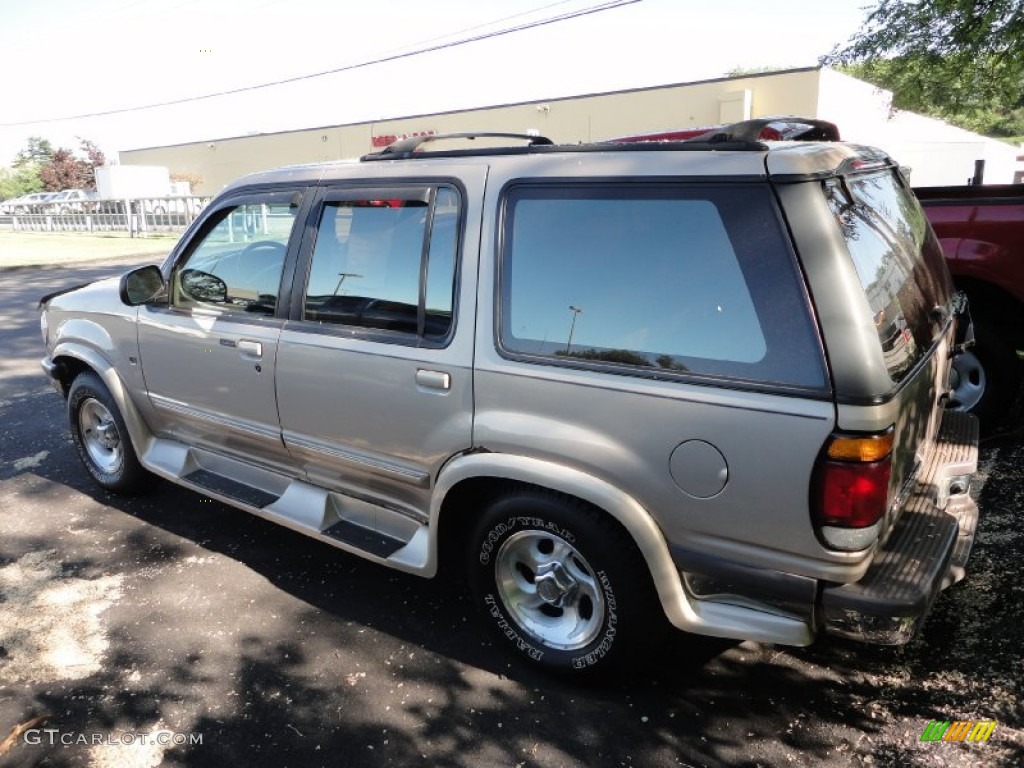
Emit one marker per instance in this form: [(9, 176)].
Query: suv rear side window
[(656, 279), (898, 260)]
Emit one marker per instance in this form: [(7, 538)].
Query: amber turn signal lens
[(860, 448)]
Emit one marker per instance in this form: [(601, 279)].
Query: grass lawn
[(24, 249)]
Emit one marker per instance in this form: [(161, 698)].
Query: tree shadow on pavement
[(280, 650)]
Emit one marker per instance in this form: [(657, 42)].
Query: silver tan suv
[(701, 381)]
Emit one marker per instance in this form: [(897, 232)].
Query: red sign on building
[(379, 142)]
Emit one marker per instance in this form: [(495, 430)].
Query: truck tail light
[(850, 492)]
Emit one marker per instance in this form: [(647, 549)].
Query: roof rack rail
[(405, 148)]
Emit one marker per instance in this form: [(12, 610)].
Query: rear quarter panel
[(623, 430)]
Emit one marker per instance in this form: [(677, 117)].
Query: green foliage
[(36, 152), (20, 180), (960, 60), (607, 356), (760, 70)]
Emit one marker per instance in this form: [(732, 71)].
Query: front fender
[(138, 430)]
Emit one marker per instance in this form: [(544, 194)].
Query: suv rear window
[(898, 260), (655, 279)]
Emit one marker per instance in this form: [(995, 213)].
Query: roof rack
[(405, 148), (745, 136)]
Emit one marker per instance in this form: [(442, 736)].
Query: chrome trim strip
[(176, 406), (401, 472)]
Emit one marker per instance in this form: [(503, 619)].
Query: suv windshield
[(899, 262)]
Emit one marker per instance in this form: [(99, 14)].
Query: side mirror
[(142, 285), (202, 286)]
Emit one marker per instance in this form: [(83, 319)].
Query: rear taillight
[(851, 489)]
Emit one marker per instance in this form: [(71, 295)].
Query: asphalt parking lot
[(172, 630)]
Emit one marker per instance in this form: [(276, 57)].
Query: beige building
[(937, 153)]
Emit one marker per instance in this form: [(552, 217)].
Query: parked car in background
[(981, 230), (618, 386), (26, 203), (72, 201)]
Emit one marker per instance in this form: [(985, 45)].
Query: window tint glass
[(386, 264), (898, 261), (441, 265), (237, 264), (663, 278)]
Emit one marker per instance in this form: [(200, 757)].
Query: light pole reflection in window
[(572, 326), (341, 279)]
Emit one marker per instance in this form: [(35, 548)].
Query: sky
[(68, 58)]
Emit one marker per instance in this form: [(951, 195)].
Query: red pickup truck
[(981, 229)]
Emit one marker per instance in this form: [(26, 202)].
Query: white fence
[(137, 217)]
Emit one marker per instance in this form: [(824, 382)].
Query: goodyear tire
[(562, 585), (101, 437)]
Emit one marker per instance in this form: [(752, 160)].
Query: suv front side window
[(237, 264)]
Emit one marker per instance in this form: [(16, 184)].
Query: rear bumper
[(926, 550)]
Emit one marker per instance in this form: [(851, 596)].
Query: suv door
[(375, 385), (209, 354)]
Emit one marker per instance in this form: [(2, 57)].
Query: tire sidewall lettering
[(594, 653), (492, 605), (610, 630), (500, 531)]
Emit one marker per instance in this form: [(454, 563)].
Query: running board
[(225, 486), (383, 534), (362, 538)]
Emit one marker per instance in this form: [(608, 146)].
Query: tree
[(962, 60), (758, 70), (20, 180), (65, 171), (36, 152), (93, 154)]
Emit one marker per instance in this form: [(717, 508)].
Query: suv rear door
[(375, 382)]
